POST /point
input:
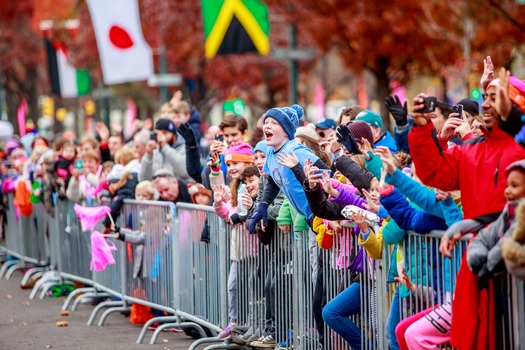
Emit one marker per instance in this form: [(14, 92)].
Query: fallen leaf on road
[(62, 324)]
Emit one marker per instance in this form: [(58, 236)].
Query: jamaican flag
[(235, 26)]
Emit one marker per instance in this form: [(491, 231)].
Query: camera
[(219, 137), (79, 164), (430, 104), (153, 136), (320, 171), (458, 109)]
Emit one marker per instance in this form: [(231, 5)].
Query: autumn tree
[(21, 56), (401, 35)]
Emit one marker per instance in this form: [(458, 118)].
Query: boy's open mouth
[(268, 134)]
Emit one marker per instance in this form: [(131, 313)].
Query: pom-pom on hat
[(239, 152), (167, 125), (371, 118), (116, 173), (195, 189), (360, 129), (287, 117)]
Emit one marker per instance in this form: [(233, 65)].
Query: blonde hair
[(181, 107), (91, 155), (168, 107), (359, 159), (124, 156), (146, 186), (89, 139)]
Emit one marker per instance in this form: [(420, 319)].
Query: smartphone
[(320, 171), (79, 164), (458, 109), (219, 137), (153, 136), (430, 104)]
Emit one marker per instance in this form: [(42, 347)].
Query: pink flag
[(90, 216), (101, 252), (319, 97), (132, 116), (21, 117)]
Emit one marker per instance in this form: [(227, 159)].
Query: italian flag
[(66, 80), (235, 26)]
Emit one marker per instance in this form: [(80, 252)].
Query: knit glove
[(261, 213), (214, 162), (399, 111), (188, 135), (345, 138)]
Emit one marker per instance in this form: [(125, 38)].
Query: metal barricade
[(25, 238)]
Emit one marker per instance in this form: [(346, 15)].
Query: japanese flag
[(124, 54)]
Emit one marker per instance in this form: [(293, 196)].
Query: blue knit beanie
[(287, 117), (261, 147)]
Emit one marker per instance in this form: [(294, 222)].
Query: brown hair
[(124, 156), (232, 121), (91, 155), (68, 144), (124, 180), (351, 112), (107, 165), (403, 158), (359, 159), (314, 146), (249, 172), (88, 139)]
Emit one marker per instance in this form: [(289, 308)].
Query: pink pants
[(430, 329), (402, 327)]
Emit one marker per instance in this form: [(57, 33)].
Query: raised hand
[(420, 118), (503, 104), (370, 205), (326, 183), (345, 138), (387, 158), (447, 244), (399, 111), (102, 131), (406, 281), (360, 220), (218, 194), (188, 135), (288, 160), (449, 129), (488, 73)]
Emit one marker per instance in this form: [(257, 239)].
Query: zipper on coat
[(497, 173)]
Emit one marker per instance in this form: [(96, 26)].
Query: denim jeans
[(337, 311), (394, 317)]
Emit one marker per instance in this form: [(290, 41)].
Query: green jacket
[(289, 216)]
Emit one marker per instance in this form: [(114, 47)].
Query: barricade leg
[(112, 310), (73, 294), (159, 329), (29, 273), (46, 287), (7, 265), (13, 268), (49, 278), (151, 322), (88, 295), (100, 306)]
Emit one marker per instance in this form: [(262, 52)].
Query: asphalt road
[(27, 324)]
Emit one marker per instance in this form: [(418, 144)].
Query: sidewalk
[(31, 324)]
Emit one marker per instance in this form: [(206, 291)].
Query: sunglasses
[(321, 134)]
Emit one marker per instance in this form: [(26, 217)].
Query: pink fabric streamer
[(343, 261), (132, 116), (90, 216), (101, 252), (319, 100), (21, 117)]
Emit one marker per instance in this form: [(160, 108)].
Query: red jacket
[(477, 168)]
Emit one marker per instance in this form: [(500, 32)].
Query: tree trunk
[(383, 88)]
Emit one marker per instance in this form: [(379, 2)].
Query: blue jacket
[(388, 141), (425, 198)]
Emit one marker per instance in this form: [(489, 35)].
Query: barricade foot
[(13, 268), (7, 265), (72, 295), (112, 310), (160, 328), (152, 321), (32, 272), (87, 295), (225, 346), (50, 277), (97, 308), (201, 341)]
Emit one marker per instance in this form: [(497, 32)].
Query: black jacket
[(125, 192), (320, 205), (358, 176)]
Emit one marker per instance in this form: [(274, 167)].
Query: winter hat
[(195, 189), (307, 130), (516, 91), (167, 125), (326, 123), (520, 164), (116, 173), (359, 129), (261, 147), (371, 118), (287, 117), (239, 152), (469, 105)]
